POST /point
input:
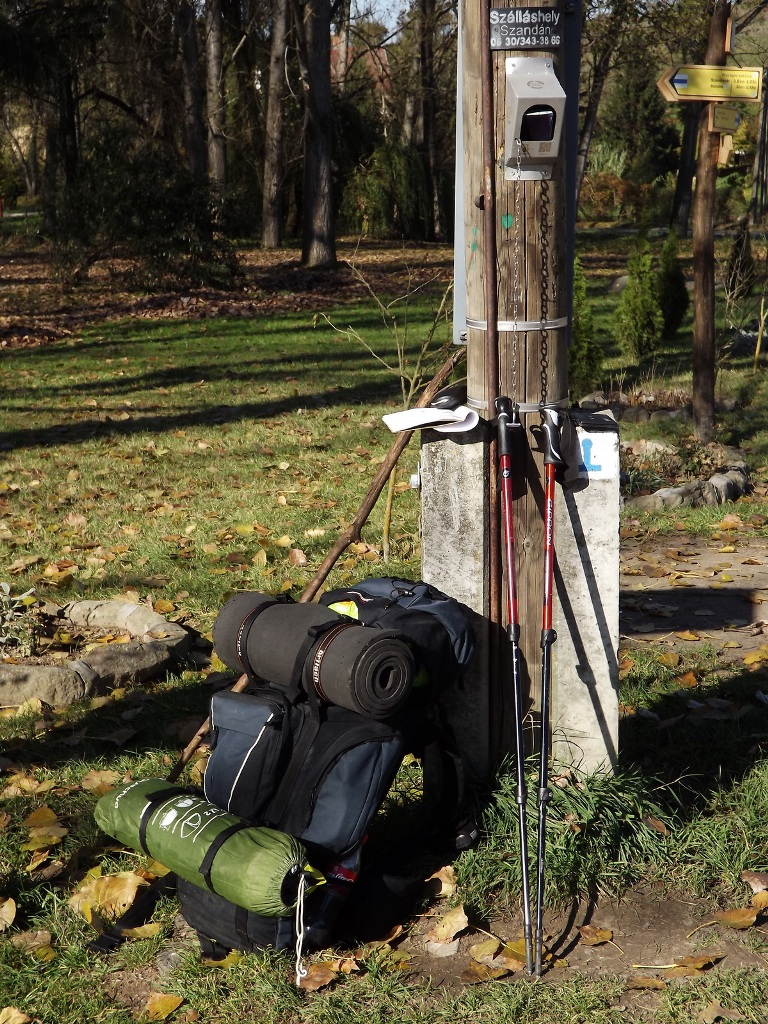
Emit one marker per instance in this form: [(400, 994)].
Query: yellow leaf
[(476, 973), (687, 634), (731, 644), (591, 935), (449, 926), (727, 548), (163, 607), (687, 681), (31, 706), (7, 912), (760, 900), (484, 951), (42, 816), (143, 931), (743, 917), (244, 529), (669, 659), (283, 542), (161, 1005), (260, 558), (639, 981), (317, 976)]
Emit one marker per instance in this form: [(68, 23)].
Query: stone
[(157, 644), (57, 685), (647, 447)]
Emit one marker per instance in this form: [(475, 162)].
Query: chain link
[(544, 243)]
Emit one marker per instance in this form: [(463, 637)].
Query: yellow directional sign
[(708, 82), (724, 118)]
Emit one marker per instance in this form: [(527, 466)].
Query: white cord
[(301, 971)]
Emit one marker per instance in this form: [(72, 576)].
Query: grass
[(182, 459)]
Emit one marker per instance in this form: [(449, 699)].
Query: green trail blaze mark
[(507, 220)]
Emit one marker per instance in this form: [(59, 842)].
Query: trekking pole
[(550, 441), (508, 420)]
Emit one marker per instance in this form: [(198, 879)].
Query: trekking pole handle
[(508, 418), (551, 426)]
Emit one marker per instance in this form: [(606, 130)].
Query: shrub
[(387, 196), (584, 354), (673, 293), (741, 272), (639, 321)]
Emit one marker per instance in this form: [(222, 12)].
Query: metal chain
[(516, 268), (544, 243)]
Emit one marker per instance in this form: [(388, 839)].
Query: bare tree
[(274, 150)]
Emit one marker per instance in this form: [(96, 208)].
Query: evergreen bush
[(386, 197), (639, 321), (673, 293), (584, 354)]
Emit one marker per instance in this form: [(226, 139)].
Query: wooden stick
[(351, 534)]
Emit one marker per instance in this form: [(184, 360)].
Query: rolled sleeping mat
[(255, 868), (361, 668)]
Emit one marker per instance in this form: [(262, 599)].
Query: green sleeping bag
[(256, 868)]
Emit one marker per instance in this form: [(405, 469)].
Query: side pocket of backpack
[(250, 743)]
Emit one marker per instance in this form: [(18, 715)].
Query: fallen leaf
[(683, 972), (475, 973), (687, 681), (760, 900), (485, 951), (297, 557), (656, 824), (687, 634), (42, 816), (10, 1015), (161, 1005), (699, 962), (317, 976), (442, 882), (757, 880), (449, 925), (442, 949), (669, 659), (743, 917), (641, 982), (591, 935), (7, 912), (38, 944), (142, 931), (100, 781), (715, 1012)]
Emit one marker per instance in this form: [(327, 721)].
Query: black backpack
[(282, 757)]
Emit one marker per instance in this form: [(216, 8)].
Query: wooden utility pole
[(704, 246), (515, 248)]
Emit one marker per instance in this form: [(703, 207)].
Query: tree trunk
[(599, 78), (704, 248), (194, 126), (681, 206), (274, 152), (313, 28), (427, 61), (215, 100)]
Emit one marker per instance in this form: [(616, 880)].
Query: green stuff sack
[(256, 868)]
